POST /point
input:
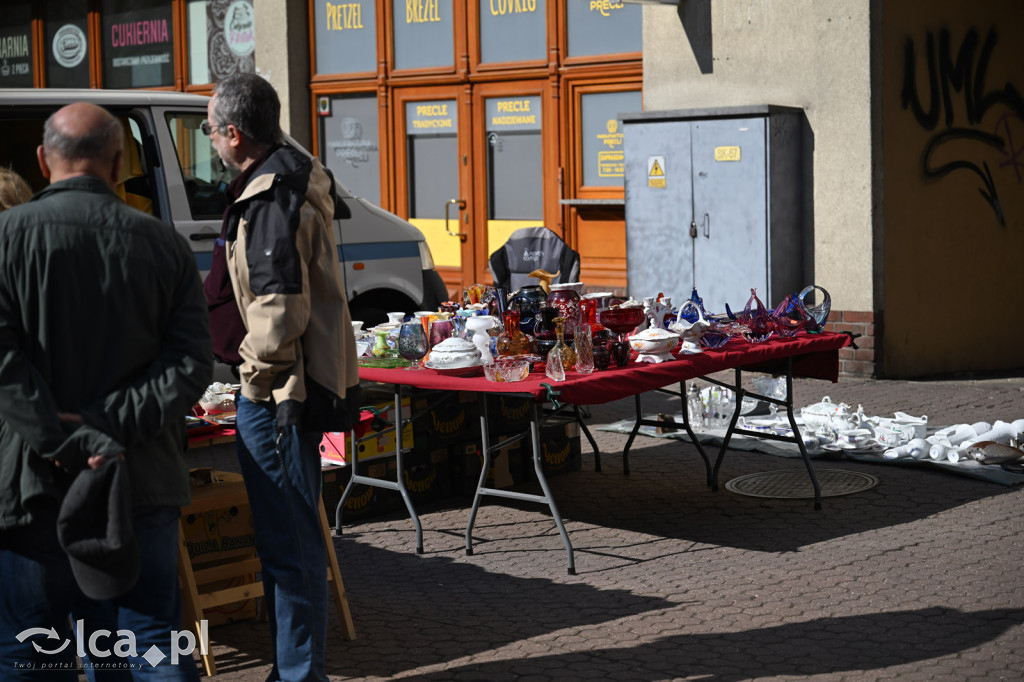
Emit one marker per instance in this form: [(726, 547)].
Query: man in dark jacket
[(299, 373), (104, 347)]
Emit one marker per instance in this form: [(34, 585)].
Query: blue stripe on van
[(347, 253), (377, 251)]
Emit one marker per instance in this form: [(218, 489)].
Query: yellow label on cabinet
[(727, 153)]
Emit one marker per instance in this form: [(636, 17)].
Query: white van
[(172, 171)]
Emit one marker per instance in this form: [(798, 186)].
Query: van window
[(135, 187), (205, 176), (22, 135)]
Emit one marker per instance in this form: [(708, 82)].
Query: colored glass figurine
[(512, 341)]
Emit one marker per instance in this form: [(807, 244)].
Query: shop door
[(509, 146), (433, 177), (471, 170)]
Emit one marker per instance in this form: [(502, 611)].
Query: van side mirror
[(341, 210)]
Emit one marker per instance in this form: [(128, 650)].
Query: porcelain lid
[(454, 344)]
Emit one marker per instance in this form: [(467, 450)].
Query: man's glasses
[(207, 128)]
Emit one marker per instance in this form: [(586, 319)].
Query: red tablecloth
[(814, 356)]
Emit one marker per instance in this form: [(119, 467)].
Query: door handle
[(461, 204), (203, 236), (707, 226)]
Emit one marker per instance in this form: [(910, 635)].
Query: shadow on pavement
[(423, 610), (826, 645), (666, 496)]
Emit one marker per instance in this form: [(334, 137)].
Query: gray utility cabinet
[(714, 200)]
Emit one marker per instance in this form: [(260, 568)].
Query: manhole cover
[(796, 485)]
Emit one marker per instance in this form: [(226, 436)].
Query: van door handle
[(203, 236), (461, 203)]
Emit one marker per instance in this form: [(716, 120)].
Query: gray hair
[(97, 144), (250, 103)]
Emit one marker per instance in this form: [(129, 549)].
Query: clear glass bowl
[(504, 370)]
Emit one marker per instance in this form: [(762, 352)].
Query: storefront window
[(66, 44), (138, 43), (16, 46), (350, 148), (604, 161), (345, 37), (512, 30), (599, 28), (423, 34), (221, 39)]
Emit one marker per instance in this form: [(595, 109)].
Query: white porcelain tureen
[(654, 344), (454, 353)]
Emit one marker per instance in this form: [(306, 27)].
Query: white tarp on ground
[(715, 436)]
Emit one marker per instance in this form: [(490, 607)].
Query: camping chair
[(529, 249)]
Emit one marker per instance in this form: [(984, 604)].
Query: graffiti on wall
[(958, 97)]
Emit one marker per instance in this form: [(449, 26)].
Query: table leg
[(691, 434), (485, 448), (399, 477), (546, 498), (799, 439), (538, 467), (590, 437), (398, 484), (738, 393), (795, 438), (632, 434)]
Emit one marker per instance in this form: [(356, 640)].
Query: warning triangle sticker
[(656, 169)]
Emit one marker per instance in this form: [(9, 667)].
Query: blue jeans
[(282, 479), (39, 591)]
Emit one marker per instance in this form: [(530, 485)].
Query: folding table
[(806, 355)]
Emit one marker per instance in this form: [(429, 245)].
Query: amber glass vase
[(512, 341)]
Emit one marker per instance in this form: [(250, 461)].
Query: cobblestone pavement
[(918, 578)]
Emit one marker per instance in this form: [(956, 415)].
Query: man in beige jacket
[(299, 372)]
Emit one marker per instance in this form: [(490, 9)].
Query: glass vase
[(566, 298), (757, 319), (512, 341), (584, 349), (817, 314)]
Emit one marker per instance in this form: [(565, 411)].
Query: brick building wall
[(863, 360)]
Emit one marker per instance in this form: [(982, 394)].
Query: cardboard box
[(219, 534), (427, 475), (427, 478), (508, 413), (373, 444), (559, 446), (466, 461), (454, 420)]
